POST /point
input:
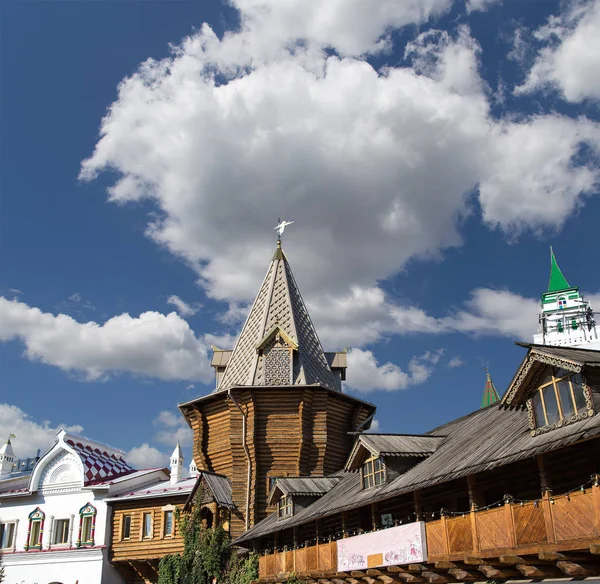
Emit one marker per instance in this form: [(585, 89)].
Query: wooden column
[(473, 506), (546, 488), (344, 524), (418, 506), (373, 516)]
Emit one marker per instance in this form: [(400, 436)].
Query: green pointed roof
[(490, 395), (557, 280)]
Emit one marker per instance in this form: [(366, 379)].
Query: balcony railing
[(561, 524)]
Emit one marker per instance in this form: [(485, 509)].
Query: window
[(61, 531), (87, 525), (373, 472), (36, 529), (562, 303), (126, 527), (285, 507), (147, 526), (561, 396), (168, 523), (7, 534)]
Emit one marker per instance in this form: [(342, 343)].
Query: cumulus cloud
[(365, 374), (146, 456), (30, 435), (152, 344), (569, 57), (222, 130), (172, 428), (475, 5), (184, 308)]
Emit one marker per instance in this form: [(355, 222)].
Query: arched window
[(87, 525), (373, 472), (560, 396), (562, 302), (35, 532)]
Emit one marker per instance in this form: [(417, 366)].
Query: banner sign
[(404, 544)]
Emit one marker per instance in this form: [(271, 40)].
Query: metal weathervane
[(281, 227)]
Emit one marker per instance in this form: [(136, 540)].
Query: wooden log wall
[(291, 431), (137, 547)]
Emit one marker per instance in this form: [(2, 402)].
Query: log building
[(509, 491), (278, 408)]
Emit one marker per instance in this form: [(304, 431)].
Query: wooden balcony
[(554, 537)]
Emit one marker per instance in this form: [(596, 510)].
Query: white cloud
[(474, 5), (152, 344), (30, 435), (183, 308), (146, 456), (365, 374), (172, 428), (345, 150), (375, 427), (455, 362), (569, 58)]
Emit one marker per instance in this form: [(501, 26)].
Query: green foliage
[(169, 569), (293, 579), (242, 569)]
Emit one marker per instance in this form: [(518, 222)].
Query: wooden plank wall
[(137, 548)]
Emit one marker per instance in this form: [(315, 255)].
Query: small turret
[(565, 317), (193, 472), (490, 395), (177, 465), (7, 459)]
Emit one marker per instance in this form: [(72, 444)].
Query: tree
[(207, 555)]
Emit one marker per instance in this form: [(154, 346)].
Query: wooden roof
[(302, 486), (483, 440)]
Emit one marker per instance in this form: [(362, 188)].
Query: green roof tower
[(490, 395)]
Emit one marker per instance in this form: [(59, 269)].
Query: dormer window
[(562, 303), (559, 397), (373, 472), (285, 507)]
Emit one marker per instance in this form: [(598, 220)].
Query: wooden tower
[(278, 407)]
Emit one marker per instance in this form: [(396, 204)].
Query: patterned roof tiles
[(278, 304), (99, 464)]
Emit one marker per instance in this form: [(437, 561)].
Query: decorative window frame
[(37, 516), (163, 512), (13, 545), (53, 524), (87, 511), (285, 507), (383, 472), (534, 387)]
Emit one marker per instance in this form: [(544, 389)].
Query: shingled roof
[(278, 306), (483, 440)]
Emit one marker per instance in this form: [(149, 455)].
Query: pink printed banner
[(404, 544)]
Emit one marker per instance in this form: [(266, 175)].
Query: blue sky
[(428, 151)]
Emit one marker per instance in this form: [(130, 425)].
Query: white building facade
[(55, 523)]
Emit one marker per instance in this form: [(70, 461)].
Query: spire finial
[(490, 395), (557, 280)]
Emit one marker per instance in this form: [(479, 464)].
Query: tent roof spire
[(278, 319), (557, 280), (490, 395)]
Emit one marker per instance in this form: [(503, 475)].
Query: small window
[(126, 529), (373, 472), (168, 523), (560, 327), (562, 303), (61, 531), (147, 526), (7, 535), (87, 525), (574, 324), (36, 529), (285, 507), (559, 397)]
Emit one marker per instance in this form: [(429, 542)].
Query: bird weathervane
[(281, 227)]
